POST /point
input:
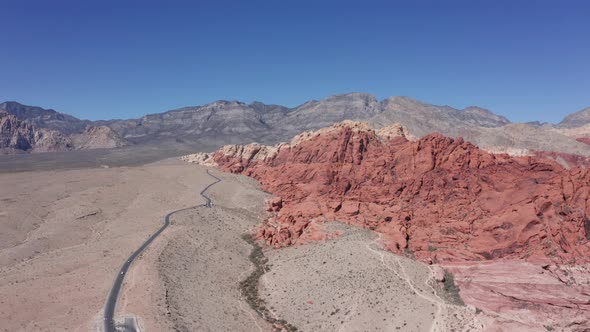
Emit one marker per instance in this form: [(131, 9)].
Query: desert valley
[(282, 166), (345, 214)]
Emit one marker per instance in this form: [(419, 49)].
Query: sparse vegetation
[(249, 287), (432, 249), (452, 290)]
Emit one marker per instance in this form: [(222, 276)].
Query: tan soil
[(65, 234)]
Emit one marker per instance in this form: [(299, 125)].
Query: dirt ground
[(351, 284), (65, 234)]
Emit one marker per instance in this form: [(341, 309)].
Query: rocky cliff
[(98, 137), (45, 118), (512, 232), (19, 136), (439, 198)]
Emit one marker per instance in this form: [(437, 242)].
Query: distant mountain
[(34, 129), (223, 121), (17, 136), (424, 119), (45, 118), (98, 137), (272, 123), (576, 119), (233, 122)]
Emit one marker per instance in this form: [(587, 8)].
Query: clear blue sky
[(527, 60)]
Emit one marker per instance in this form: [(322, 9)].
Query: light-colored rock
[(201, 158), (98, 137)]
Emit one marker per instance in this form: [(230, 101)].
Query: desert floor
[(65, 234)]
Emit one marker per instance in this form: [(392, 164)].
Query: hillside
[(234, 122), (226, 122)]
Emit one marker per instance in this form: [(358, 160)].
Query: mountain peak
[(45, 118), (577, 119)]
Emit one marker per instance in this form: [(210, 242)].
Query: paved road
[(111, 304)]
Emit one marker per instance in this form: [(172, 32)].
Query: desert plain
[(66, 233)]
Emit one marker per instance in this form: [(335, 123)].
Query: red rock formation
[(439, 198), (585, 140), (526, 297)]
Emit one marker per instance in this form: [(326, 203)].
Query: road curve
[(111, 304)]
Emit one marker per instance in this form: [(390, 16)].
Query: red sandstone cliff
[(440, 198)]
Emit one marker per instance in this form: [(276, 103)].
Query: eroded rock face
[(526, 297), (20, 136), (512, 231), (440, 198), (14, 134), (98, 137)]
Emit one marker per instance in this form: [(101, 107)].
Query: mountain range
[(233, 122)]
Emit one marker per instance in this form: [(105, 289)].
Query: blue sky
[(527, 60)]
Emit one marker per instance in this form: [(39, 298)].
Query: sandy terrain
[(350, 284), (201, 269), (65, 234)]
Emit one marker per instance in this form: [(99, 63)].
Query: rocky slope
[(233, 122), (221, 122), (98, 137), (513, 232), (440, 198), (19, 136), (576, 119), (45, 118), (226, 122)]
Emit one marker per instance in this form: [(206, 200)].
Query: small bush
[(452, 289)]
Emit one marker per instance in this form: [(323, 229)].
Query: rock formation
[(18, 136), (45, 118), (98, 137), (441, 199)]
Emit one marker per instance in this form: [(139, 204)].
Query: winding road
[(111, 304)]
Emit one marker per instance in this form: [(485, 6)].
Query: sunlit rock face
[(440, 198)]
